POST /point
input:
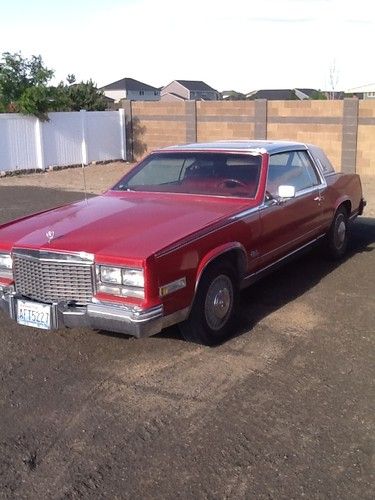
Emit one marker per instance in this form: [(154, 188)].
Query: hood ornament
[(50, 235)]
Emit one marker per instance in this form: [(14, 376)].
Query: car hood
[(132, 225)]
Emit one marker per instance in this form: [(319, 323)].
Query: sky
[(234, 44)]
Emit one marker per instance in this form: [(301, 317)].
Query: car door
[(289, 224)]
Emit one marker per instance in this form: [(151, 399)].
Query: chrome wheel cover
[(340, 232), (219, 302)]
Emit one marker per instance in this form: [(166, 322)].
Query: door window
[(292, 168)]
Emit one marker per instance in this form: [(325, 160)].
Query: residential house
[(297, 94), (232, 95), (277, 95), (194, 90), (131, 90), (171, 97), (364, 92), (110, 103)]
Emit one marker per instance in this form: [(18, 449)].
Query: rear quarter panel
[(340, 188)]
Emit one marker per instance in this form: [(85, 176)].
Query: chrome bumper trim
[(102, 316)]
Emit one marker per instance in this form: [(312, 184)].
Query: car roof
[(239, 145)]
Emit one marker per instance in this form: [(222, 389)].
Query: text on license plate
[(34, 314)]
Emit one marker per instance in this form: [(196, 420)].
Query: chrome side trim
[(244, 213), (251, 278)]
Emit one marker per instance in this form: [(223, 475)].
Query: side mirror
[(286, 192)]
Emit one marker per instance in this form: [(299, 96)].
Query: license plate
[(34, 314)]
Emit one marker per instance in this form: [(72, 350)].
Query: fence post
[(121, 113), (85, 155), (39, 144), (349, 135), (260, 119), (129, 136), (191, 121)]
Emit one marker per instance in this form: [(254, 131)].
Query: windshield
[(218, 174)]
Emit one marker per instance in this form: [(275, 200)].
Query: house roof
[(129, 84), (308, 92), (364, 88), (108, 99), (174, 95), (273, 94), (195, 85)]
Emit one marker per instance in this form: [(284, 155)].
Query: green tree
[(85, 95), (318, 95), (17, 74), (25, 88)]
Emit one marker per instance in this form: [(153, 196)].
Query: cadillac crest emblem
[(50, 235)]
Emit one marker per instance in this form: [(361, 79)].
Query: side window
[(321, 158), (293, 168)]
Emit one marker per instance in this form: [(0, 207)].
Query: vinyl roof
[(242, 145)]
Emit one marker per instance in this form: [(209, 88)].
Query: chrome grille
[(52, 277)]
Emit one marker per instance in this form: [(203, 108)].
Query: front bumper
[(100, 316)]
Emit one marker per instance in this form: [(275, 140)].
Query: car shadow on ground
[(290, 281), (294, 279)]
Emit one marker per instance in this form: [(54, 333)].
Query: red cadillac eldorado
[(176, 239)]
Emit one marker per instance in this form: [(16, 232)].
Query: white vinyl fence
[(66, 139)]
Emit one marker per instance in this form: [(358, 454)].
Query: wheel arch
[(345, 202), (233, 251)]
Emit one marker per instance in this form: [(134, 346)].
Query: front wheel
[(213, 315), (338, 235)]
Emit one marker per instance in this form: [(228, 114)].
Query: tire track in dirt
[(179, 390)]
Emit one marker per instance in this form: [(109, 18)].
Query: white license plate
[(34, 314)]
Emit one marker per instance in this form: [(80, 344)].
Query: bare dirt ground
[(98, 177), (283, 410)]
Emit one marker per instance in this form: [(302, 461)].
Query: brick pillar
[(127, 106), (349, 135), (260, 119), (191, 121)]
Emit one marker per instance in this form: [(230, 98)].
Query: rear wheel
[(213, 315), (338, 235)]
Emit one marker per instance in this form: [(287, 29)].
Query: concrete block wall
[(344, 129), (156, 125), (366, 138), (220, 120), (316, 122)]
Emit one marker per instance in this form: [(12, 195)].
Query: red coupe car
[(176, 239)]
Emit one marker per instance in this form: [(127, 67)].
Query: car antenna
[(84, 182)]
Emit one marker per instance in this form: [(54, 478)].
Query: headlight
[(121, 281), (6, 265), (5, 261), (110, 274), (133, 277)]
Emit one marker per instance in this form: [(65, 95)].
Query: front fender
[(219, 252)]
